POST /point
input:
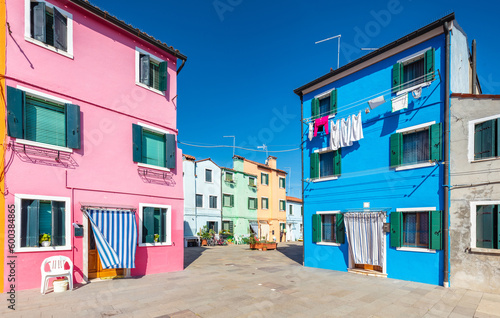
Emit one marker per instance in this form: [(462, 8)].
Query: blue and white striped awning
[(115, 234)]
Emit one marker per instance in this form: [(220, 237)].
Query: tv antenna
[(338, 52)]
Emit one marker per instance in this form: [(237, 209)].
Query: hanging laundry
[(323, 121), (334, 135), (400, 102), (357, 127), (311, 131), (376, 102), (345, 132)]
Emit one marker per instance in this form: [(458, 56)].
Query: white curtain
[(365, 236)]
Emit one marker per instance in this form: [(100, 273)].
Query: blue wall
[(365, 174)]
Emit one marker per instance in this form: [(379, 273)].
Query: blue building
[(375, 174)]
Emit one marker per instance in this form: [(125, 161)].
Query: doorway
[(95, 269)]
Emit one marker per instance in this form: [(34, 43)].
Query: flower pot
[(46, 243), (60, 285), (203, 242)]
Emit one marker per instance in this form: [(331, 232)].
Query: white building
[(294, 212)]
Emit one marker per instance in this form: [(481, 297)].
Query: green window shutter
[(148, 225), (58, 222), (429, 64), (163, 76), (316, 228), (45, 122), (45, 217), (144, 69), (171, 148), (435, 142), (397, 77), (73, 139), (32, 224), (436, 230), (153, 148), (340, 228), (396, 149), (497, 144), (231, 226), (39, 32), (15, 105), (216, 227), (163, 225), (249, 203), (333, 102), (396, 232), (478, 139), (484, 226), (232, 200), (314, 108), (485, 139), (498, 226), (314, 165), (137, 142), (60, 31), (337, 162)]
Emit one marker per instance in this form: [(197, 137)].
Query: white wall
[(189, 197), (207, 189), (293, 221), (459, 59)]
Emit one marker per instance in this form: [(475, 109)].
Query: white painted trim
[(421, 209), (168, 226), (416, 127), (472, 124), (67, 219), (328, 212), (153, 128), (279, 180), (414, 87), (211, 175), (42, 145), (481, 250), (324, 94), (44, 96), (472, 213), (144, 165), (323, 150), (416, 166), (69, 30), (138, 52), (202, 200), (415, 55), (328, 243), (217, 200), (325, 179), (154, 57), (415, 249), (154, 90), (261, 205)]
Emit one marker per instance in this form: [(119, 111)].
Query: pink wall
[(100, 77)]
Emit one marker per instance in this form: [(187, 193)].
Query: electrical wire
[(226, 146)]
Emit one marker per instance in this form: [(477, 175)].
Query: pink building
[(91, 144)]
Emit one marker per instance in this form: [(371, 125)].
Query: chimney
[(271, 162)]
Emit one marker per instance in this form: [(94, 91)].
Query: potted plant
[(205, 235), (45, 240), (157, 237), (264, 245)]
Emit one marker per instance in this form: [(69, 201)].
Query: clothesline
[(366, 99)]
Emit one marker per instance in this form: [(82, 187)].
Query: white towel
[(416, 93), (376, 102), (334, 135), (357, 127), (400, 102), (345, 132), (311, 131)]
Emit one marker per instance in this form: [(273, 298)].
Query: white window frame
[(69, 30), (416, 249), (472, 125), (280, 202), (195, 200), (255, 181), (327, 243), (324, 95), (283, 182), (262, 205), (411, 59), (67, 226), (329, 178), (216, 201), (473, 234), (231, 173), (414, 129), (224, 194), (158, 131), (168, 226), (138, 52), (267, 179), (211, 175), (256, 200)]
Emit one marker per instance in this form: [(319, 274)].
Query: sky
[(245, 58)]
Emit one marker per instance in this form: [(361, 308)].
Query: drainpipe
[(446, 190), (302, 172), (474, 70), (180, 67)]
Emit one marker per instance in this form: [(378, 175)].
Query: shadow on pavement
[(191, 254), (292, 250)]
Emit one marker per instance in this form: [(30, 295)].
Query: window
[(324, 105), (228, 200), (325, 164), (208, 175), (252, 203), (214, 226), (229, 176), (151, 71), (417, 229), (43, 119), (212, 202), (302, 210), (416, 146), (290, 209), (155, 224), (199, 200), (252, 181), (153, 147), (49, 26), (227, 226), (415, 70), (282, 205), (39, 215), (486, 139), (264, 179), (282, 183), (264, 203), (328, 228), (487, 226)]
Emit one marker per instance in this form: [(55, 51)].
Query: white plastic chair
[(56, 264)]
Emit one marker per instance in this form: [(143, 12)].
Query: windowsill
[(42, 145), (42, 249), (154, 244), (485, 159), (416, 166), (228, 181), (415, 249), (140, 164), (484, 250), (328, 243), (48, 47), (150, 88), (325, 179), (407, 90)]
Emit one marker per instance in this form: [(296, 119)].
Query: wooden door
[(369, 267), (95, 265)]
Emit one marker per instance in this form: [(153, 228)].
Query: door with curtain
[(95, 265)]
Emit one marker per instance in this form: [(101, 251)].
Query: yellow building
[(271, 196)]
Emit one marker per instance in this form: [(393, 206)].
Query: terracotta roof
[(478, 96), (260, 165), (188, 157), (129, 28), (294, 199), (248, 174), (208, 159)]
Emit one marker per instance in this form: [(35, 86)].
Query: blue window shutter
[(32, 224), (137, 142), (170, 149), (58, 222), (435, 142), (60, 31), (397, 77), (73, 139), (163, 76), (39, 22), (429, 64), (396, 232), (436, 230), (340, 228), (396, 149), (333, 102), (148, 235), (144, 69), (15, 105)]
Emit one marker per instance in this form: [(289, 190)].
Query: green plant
[(253, 239), (157, 237), (44, 237), (204, 233), (245, 240)]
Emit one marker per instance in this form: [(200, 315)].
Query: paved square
[(234, 281)]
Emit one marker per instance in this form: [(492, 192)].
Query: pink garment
[(323, 121)]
